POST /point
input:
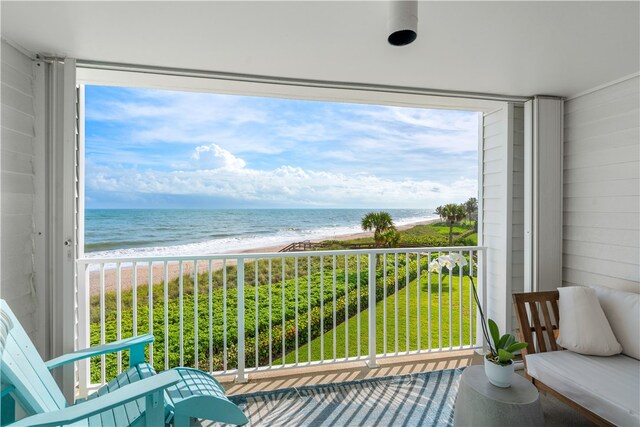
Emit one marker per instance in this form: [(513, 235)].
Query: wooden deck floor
[(351, 371)]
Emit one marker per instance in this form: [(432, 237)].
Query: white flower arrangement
[(435, 267), (503, 348), (448, 262), (458, 259)]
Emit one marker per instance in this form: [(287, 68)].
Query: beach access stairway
[(314, 246), (300, 246)]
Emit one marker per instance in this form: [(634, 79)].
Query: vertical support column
[(528, 196), (543, 193), (242, 376), (42, 277), (506, 306), (480, 265), (62, 245), (372, 363), (82, 270)]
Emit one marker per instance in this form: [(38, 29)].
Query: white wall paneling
[(601, 229), (497, 204), (502, 208), (20, 284)]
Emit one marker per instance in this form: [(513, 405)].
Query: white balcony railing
[(243, 313)]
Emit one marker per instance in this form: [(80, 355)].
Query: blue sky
[(148, 148)]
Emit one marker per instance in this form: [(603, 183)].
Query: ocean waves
[(205, 232)]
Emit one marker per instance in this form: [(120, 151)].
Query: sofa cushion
[(623, 313), (607, 386), (583, 326)]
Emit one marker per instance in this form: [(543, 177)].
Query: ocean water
[(176, 232)]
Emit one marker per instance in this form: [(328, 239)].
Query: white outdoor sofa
[(605, 389)]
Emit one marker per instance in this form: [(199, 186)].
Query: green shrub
[(211, 330)]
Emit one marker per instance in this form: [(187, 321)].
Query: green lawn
[(433, 303), (444, 229)]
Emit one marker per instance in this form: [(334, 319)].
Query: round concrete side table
[(480, 403)]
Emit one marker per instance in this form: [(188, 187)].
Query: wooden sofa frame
[(535, 322)]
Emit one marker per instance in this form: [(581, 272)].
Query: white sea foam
[(238, 244)]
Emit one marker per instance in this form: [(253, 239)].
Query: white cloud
[(215, 157), (293, 153), (159, 116), (178, 107), (197, 118), (418, 129), (288, 185)]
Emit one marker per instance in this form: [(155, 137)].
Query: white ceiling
[(510, 48)]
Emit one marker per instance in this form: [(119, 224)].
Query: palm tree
[(471, 207), (381, 223), (390, 238), (453, 213), (439, 212)]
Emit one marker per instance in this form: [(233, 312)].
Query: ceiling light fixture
[(403, 22)]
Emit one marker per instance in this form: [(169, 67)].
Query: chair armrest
[(102, 403), (5, 389), (134, 342)]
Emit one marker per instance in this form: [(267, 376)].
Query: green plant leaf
[(503, 341), (495, 333), (516, 346), (510, 341), (504, 356)]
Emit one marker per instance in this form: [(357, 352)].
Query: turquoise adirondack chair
[(138, 396)]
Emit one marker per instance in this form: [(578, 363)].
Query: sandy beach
[(127, 273)]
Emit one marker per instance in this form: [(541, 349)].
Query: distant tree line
[(385, 233), (454, 213)]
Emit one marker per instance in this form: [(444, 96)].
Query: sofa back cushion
[(583, 326), (622, 310)]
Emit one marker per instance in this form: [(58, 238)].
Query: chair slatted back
[(538, 320), (23, 367)]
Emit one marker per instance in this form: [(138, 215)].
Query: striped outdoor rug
[(421, 399)]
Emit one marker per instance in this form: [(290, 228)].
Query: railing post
[(483, 286), (372, 363), (482, 275), (84, 328), (242, 376)]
